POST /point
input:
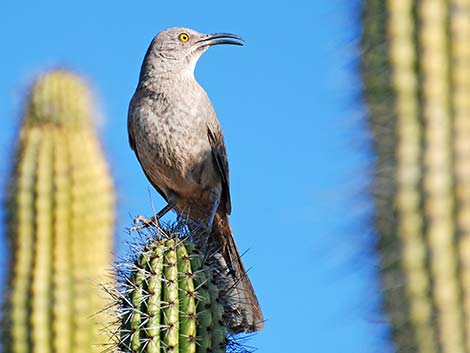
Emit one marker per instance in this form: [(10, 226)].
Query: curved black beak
[(220, 38)]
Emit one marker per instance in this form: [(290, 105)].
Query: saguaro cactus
[(416, 69), (60, 224), (169, 302)]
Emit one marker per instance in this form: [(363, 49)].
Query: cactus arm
[(424, 161), (60, 182), (170, 300)]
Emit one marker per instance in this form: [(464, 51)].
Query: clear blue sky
[(289, 103)]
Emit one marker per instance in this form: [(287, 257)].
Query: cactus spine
[(416, 68), (60, 224), (169, 302)]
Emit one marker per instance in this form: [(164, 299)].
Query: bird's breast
[(170, 132)]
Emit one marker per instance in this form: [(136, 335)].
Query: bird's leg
[(154, 220)]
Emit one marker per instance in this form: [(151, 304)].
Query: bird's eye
[(183, 37)]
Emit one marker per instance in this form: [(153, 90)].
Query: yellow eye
[(183, 37)]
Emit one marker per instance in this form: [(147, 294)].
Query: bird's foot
[(145, 222)]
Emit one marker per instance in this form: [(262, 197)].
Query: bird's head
[(181, 48)]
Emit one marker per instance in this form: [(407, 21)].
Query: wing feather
[(216, 139)]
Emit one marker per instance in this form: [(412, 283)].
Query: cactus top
[(60, 98)]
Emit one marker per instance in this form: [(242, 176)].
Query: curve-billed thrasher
[(177, 138)]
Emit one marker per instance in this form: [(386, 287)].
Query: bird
[(177, 138)]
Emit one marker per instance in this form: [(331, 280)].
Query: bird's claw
[(144, 223)]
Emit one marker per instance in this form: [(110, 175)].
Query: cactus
[(60, 224), (416, 71), (169, 302)]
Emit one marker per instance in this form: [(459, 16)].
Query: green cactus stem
[(416, 70), (169, 302), (60, 224)]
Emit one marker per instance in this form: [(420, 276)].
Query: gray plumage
[(175, 133)]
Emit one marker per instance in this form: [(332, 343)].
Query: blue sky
[(289, 104)]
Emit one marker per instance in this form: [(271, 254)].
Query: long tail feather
[(243, 312)]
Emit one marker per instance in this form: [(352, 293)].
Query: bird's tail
[(242, 310)]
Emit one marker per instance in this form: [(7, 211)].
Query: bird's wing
[(135, 149), (129, 130), (216, 139)]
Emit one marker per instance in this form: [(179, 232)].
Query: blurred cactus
[(416, 70), (60, 224), (169, 301)]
